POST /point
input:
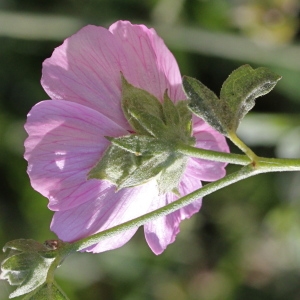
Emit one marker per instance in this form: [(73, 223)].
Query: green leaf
[(237, 97), (126, 169), (170, 176), (135, 159), (27, 265), (171, 113), (242, 87), (141, 109), (178, 120), (204, 103), (47, 291), (140, 145), (115, 165), (185, 124), (25, 245), (152, 124), (148, 169)]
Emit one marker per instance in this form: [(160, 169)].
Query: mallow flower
[(67, 135)]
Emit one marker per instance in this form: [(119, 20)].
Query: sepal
[(149, 153), (141, 109), (140, 145)]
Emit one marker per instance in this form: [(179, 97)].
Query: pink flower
[(66, 134)]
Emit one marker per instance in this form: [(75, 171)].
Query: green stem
[(231, 158), (277, 164), (236, 140)]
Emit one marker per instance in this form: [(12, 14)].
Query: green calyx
[(149, 153)]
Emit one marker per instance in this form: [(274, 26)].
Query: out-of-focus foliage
[(245, 242)]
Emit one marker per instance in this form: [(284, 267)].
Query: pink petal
[(105, 212), (162, 231), (188, 185), (219, 143), (65, 141), (210, 139), (150, 64), (86, 69)]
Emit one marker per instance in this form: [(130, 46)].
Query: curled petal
[(162, 231), (150, 64), (65, 141)]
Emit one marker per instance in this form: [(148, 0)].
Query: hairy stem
[(231, 158), (239, 143)]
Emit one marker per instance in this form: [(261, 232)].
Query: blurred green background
[(245, 242)]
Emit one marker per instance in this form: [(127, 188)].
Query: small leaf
[(242, 87), (185, 124), (47, 291), (136, 102), (141, 145), (133, 160), (171, 175), (204, 103), (153, 125), (125, 169), (178, 120), (27, 265), (237, 97), (171, 114), (148, 169), (25, 245), (115, 165)]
